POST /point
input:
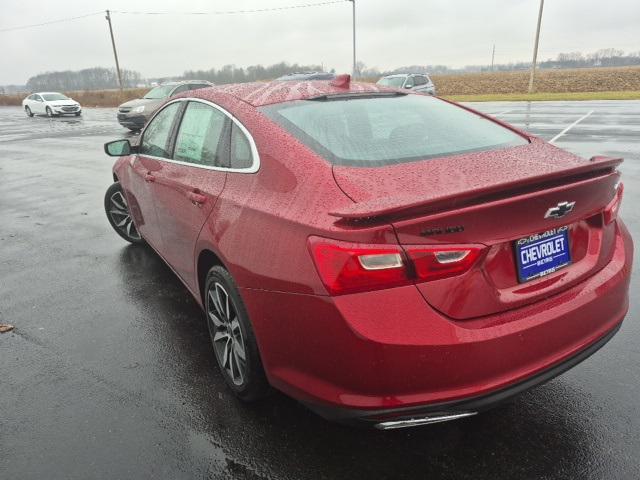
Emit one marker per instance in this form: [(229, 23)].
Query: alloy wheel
[(226, 334), (119, 212), (49, 112)]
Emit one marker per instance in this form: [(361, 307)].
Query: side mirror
[(409, 86), (118, 148)]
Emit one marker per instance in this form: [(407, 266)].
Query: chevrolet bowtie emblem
[(560, 210)]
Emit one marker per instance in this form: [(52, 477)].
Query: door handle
[(148, 177), (196, 198)]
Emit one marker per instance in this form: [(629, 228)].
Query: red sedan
[(382, 256)]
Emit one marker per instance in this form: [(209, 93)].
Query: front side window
[(388, 129), (155, 140), (157, 93), (199, 135), (419, 80), (241, 156), (180, 89)]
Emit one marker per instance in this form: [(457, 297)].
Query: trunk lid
[(494, 199)]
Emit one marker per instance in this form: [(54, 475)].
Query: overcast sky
[(391, 33)]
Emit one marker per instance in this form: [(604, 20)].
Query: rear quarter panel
[(260, 225)]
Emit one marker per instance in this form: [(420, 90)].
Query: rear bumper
[(400, 417), (383, 354)]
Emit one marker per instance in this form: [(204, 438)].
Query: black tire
[(251, 385), (49, 112), (119, 216), (78, 114), (28, 111)]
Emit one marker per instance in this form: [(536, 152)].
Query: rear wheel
[(117, 210), (232, 337), (28, 111)]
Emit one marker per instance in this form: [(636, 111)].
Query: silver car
[(135, 113), (418, 82)]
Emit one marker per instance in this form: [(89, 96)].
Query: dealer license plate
[(542, 254)]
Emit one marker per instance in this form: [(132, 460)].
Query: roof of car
[(307, 76), (261, 93), (403, 75), (180, 82)]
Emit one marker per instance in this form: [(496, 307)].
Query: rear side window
[(384, 130), (199, 135), (240, 149), (155, 139)]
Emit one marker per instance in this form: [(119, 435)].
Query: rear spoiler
[(384, 207)]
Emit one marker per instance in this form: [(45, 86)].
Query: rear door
[(188, 185)]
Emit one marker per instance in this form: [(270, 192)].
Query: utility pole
[(115, 53), (493, 55), (535, 48), (353, 73)]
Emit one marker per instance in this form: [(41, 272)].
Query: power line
[(220, 12), (8, 29), (234, 12)]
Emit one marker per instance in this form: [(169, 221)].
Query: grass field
[(621, 83), (89, 98), (547, 81), (546, 96)]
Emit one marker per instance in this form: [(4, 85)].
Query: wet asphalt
[(109, 372)]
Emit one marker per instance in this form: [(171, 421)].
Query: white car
[(50, 104)]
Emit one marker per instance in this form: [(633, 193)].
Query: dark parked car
[(380, 255), (418, 82), (135, 113), (301, 76)]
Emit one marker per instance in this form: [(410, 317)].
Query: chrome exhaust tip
[(425, 420)]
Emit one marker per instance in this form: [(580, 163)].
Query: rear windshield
[(384, 130)]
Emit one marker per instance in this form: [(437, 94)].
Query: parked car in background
[(301, 76), (418, 82), (50, 104), (135, 113), (382, 256)]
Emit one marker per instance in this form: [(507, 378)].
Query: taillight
[(350, 267), (611, 211), (442, 262)]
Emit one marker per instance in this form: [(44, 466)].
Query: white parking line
[(570, 126)]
